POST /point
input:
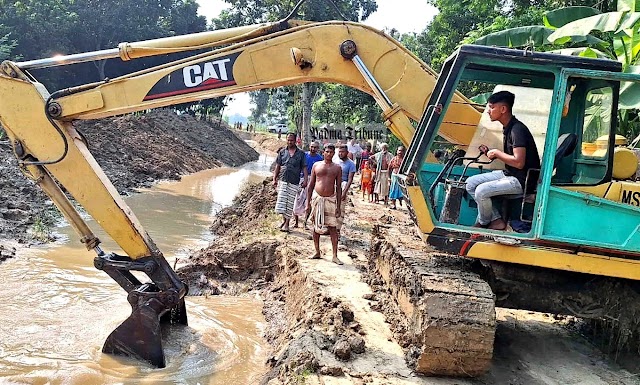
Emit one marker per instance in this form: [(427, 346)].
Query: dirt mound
[(135, 150), (269, 142), (310, 329), (252, 204), (241, 258), (230, 270), (22, 205)]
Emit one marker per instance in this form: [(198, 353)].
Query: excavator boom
[(55, 155)]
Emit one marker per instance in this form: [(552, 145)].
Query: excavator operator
[(519, 155)]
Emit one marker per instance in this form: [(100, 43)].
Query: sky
[(403, 15)]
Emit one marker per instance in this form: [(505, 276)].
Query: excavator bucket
[(140, 335)]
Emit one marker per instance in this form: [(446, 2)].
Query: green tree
[(244, 12), (261, 101), (39, 27), (455, 19), (103, 24), (6, 46), (464, 21), (586, 31), (44, 28), (341, 104)]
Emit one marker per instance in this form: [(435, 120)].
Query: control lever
[(483, 150)]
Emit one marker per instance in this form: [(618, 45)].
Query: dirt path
[(536, 348), (324, 321)]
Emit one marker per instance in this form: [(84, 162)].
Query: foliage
[(44, 28), (393, 143), (6, 46), (533, 36), (33, 29), (41, 229), (482, 98), (293, 101), (413, 42), (588, 32), (341, 104), (454, 20), (465, 21), (261, 101), (244, 12), (597, 114), (301, 378), (206, 107)]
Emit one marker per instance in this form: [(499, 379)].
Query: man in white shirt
[(356, 151)]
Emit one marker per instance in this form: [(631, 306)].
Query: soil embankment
[(269, 142), (327, 324), (135, 150), (330, 324)]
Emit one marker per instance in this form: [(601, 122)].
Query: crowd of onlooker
[(315, 185)]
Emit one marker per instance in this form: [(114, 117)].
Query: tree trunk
[(100, 64), (308, 95)]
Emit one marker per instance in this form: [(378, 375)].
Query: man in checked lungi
[(324, 201), (290, 162)]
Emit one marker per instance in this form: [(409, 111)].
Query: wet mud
[(321, 318), (135, 150)]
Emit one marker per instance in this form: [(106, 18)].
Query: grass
[(301, 379), (43, 225)]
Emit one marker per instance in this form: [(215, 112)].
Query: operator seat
[(566, 145)]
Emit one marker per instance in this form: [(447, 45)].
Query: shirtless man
[(323, 200)]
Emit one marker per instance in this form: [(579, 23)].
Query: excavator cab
[(570, 106)]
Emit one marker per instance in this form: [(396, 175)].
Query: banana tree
[(571, 31)]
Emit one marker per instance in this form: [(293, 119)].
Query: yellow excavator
[(52, 153)]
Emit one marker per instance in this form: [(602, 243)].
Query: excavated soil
[(268, 142), (134, 150), (325, 323), (244, 254), (330, 324)]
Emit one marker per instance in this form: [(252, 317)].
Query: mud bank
[(310, 305), (244, 255), (134, 150), (269, 142), (330, 324)]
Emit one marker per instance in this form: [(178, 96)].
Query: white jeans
[(483, 187)]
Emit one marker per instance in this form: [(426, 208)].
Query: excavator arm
[(54, 154)]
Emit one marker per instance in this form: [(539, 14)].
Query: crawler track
[(449, 309)]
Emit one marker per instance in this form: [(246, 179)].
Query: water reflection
[(56, 309)]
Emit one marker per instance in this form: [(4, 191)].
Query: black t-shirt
[(516, 134), (291, 166)]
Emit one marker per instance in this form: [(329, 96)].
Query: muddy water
[(56, 309)]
